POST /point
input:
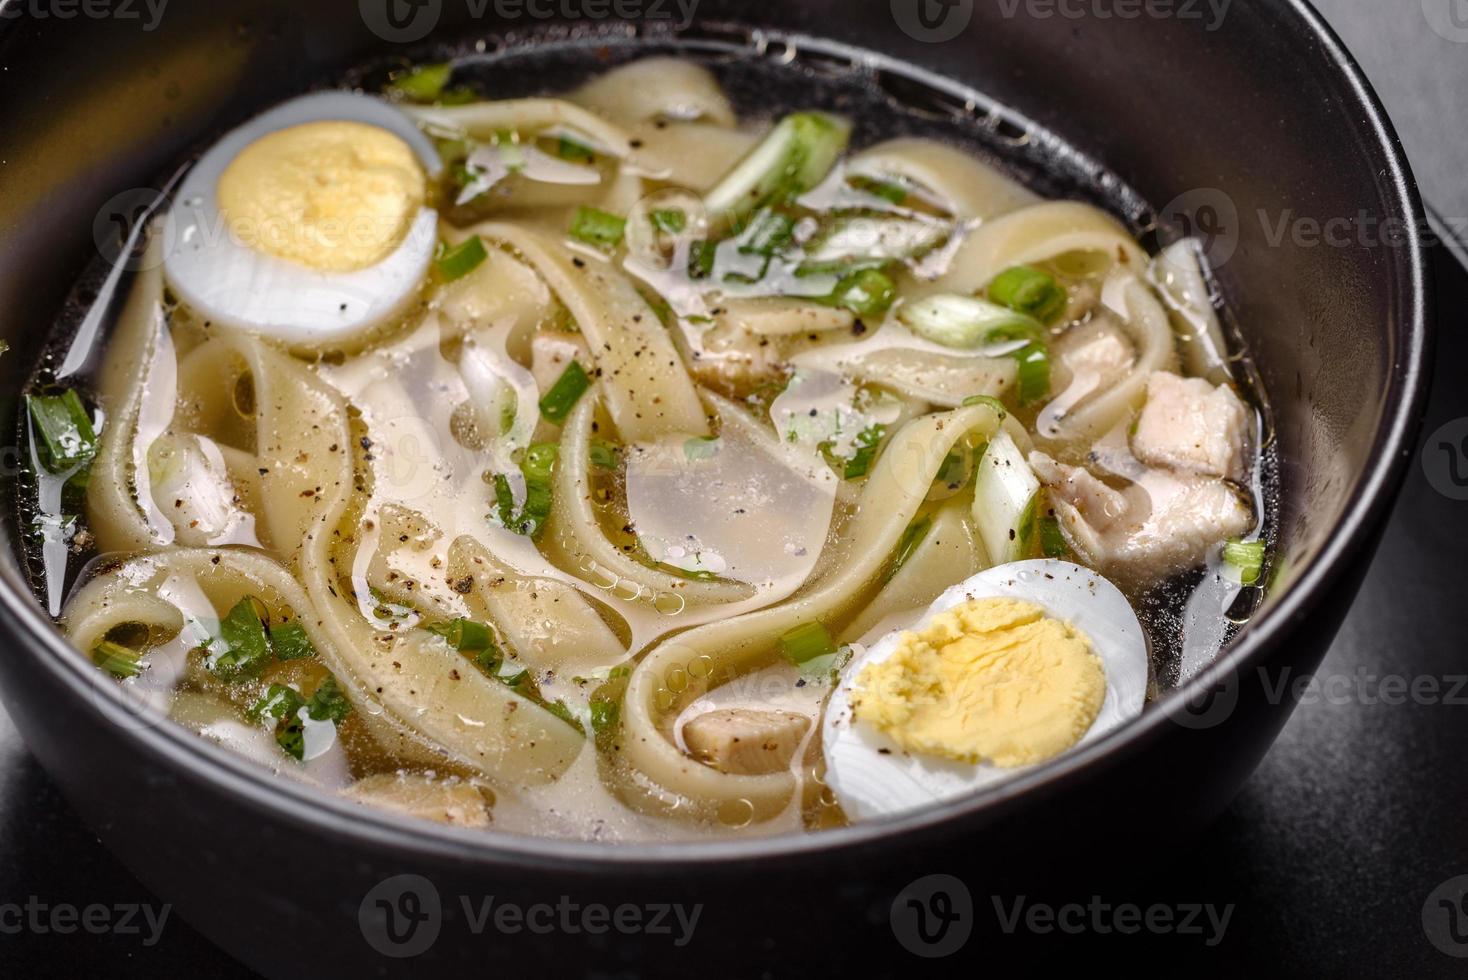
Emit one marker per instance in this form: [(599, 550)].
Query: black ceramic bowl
[(1256, 127)]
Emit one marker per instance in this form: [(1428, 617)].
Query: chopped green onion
[(569, 149), (67, 436), (701, 447), (998, 406), (768, 233), (1029, 291), (887, 190), (1247, 557), (868, 293), (605, 714), (1034, 373), (277, 703), (423, 83), (669, 220), (458, 261), (328, 703), (701, 256), (853, 242), (604, 454), (807, 642), (246, 646), (868, 441), (826, 665), (793, 158), (597, 228), (118, 660), (1052, 539), (907, 545), (289, 641), (504, 498), (565, 393), (464, 635), (538, 465), (966, 323)]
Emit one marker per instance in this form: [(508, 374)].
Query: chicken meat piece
[(744, 742), (1160, 524), (1191, 426)]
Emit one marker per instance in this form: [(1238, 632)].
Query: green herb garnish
[(670, 221), (244, 645), (807, 642), (279, 702), (604, 455), (289, 641), (328, 703), (464, 635)]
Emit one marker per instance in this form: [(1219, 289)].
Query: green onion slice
[(807, 642), (1029, 291), (1247, 557), (67, 436), (793, 158), (456, 262), (565, 393), (119, 661), (597, 228), (907, 545), (464, 635)]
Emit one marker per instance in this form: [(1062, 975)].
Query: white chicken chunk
[(1191, 426), (745, 742), (1159, 525)]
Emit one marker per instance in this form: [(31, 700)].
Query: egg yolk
[(993, 680), (334, 196)]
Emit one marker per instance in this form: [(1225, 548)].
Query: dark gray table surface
[(1334, 846)]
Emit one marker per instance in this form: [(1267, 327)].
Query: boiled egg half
[(1004, 672), (310, 223)]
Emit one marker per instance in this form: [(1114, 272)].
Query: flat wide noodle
[(685, 667)]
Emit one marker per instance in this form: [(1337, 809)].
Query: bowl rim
[(1373, 494)]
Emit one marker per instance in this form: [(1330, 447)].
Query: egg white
[(228, 282), (872, 776)]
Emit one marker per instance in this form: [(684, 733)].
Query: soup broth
[(631, 460)]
